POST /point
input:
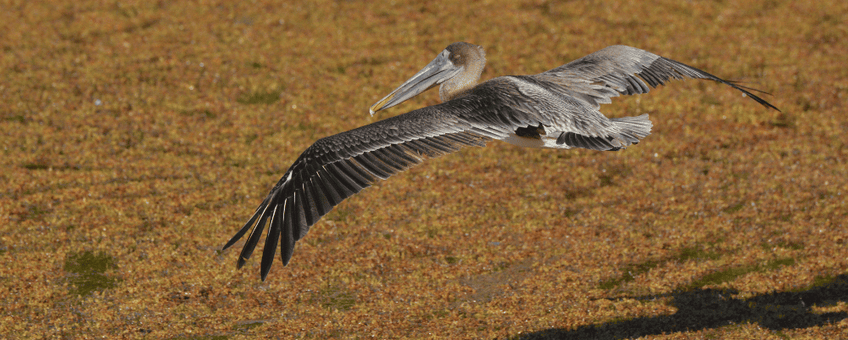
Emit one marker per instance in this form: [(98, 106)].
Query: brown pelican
[(554, 109)]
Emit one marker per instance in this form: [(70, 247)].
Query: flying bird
[(558, 109)]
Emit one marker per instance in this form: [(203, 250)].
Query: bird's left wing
[(338, 166)]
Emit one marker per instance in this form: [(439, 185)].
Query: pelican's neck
[(467, 79)]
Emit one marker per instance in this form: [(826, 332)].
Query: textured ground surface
[(138, 136)]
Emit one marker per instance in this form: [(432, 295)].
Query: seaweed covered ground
[(138, 136)]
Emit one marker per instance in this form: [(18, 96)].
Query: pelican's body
[(554, 109)]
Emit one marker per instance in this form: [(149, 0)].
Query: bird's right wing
[(565, 101), (336, 167), (624, 70)]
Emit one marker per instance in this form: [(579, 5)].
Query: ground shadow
[(710, 308)]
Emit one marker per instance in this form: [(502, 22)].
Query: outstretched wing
[(338, 166), (624, 70), (565, 101)]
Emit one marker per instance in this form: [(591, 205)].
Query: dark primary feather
[(336, 167)]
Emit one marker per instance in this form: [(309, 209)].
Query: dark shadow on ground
[(709, 308)]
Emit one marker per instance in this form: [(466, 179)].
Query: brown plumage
[(554, 109)]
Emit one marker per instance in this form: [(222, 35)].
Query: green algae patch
[(87, 272)]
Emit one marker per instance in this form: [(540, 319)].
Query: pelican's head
[(457, 69)]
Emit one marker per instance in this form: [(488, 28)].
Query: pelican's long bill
[(435, 73)]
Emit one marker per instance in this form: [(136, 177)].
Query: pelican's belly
[(543, 142)]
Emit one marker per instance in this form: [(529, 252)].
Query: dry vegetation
[(138, 136)]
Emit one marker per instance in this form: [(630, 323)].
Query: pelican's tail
[(626, 131), (632, 129)]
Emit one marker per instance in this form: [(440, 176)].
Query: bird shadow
[(699, 309)]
